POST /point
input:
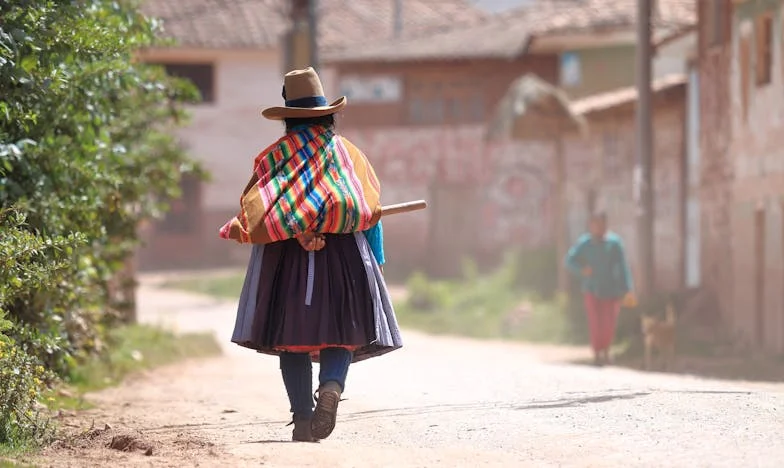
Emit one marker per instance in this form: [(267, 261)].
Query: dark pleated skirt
[(299, 301)]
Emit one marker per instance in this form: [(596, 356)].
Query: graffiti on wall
[(511, 178), (516, 201)]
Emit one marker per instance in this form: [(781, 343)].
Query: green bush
[(23, 380), (28, 263), (539, 271), (32, 268), (485, 306), (86, 153), (85, 149)]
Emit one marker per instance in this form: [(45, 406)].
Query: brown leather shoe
[(326, 412), (302, 432)]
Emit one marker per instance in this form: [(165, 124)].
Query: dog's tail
[(670, 313)]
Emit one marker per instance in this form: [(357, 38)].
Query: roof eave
[(594, 104), (349, 61), (198, 53), (554, 43)]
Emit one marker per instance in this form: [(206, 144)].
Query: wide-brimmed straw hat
[(304, 98)]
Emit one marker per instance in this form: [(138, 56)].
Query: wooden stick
[(403, 207)]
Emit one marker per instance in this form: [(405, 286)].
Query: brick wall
[(742, 184), (756, 155), (483, 196), (492, 77)]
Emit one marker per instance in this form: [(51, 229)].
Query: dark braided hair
[(327, 121)]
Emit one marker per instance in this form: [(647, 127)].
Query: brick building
[(741, 73), (419, 109)]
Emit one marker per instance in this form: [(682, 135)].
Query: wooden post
[(644, 149), (300, 39)]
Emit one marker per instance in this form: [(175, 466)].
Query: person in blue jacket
[(599, 258)]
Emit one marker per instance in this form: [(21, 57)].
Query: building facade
[(741, 75)]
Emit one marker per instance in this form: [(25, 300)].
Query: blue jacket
[(375, 237), (610, 277)]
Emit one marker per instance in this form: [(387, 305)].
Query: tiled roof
[(355, 24), (497, 37), (342, 23), (567, 16), (220, 23), (507, 35)]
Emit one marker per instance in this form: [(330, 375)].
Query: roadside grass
[(8, 454), (223, 286), (541, 321), (487, 306), (132, 348), (11, 463)]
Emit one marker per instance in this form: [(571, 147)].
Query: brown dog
[(660, 336)]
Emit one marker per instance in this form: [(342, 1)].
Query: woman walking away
[(314, 290), (599, 258)]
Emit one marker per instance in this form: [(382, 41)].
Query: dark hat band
[(308, 102)]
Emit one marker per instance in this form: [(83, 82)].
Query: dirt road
[(437, 402)]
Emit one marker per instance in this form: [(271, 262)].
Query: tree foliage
[(86, 152)]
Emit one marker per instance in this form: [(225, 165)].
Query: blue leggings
[(297, 373)]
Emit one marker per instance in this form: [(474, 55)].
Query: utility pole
[(300, 41), (313, 32), (643, 174)]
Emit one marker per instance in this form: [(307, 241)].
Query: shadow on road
[(571, 402)]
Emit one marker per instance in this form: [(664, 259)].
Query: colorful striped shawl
[(311, 180)]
